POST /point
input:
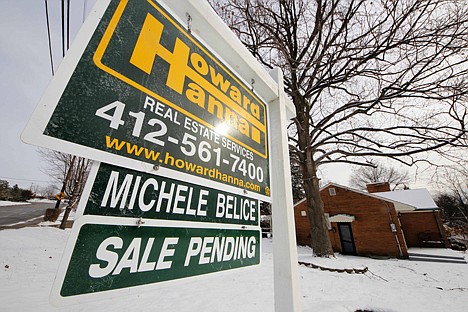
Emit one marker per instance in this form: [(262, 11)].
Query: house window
[(332, 191), (303, 213)]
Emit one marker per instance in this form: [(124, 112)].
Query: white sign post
[(287, 290)]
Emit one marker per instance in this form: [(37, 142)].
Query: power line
[(27, 180), (48, 36), (85, 2), (68, 24), (63, 27)]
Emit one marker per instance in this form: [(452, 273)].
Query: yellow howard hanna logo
[(195, 82)]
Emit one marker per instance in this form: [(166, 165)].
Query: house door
[(347, 240)]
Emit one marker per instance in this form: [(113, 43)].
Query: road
[(22, 213)]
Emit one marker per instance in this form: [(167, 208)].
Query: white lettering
[(166, 252), (122, 193), (146, 207), (145, 265), (130, 257), (193, 249), (108, 256)]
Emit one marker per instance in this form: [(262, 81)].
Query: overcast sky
[(25, 73)]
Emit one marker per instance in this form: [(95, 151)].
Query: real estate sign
[(141, 88), (188, 142)]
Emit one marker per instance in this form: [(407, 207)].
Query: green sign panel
[(147, 89), (108, 256), (128, 193)]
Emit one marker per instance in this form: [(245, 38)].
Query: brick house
[(377, 223)]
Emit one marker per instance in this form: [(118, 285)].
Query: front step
[(436, 258)]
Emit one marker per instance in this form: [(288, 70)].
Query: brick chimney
[(378, 187)]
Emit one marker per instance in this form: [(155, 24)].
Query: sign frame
[(207, 25)]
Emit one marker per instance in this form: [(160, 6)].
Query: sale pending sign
[(107, 256), (144, 89)]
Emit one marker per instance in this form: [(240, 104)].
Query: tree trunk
[(320, 240), (63, 224)]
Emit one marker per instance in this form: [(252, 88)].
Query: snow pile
[(34, 200), (42, 200), (10, 203), (30, 257), (71, 217)]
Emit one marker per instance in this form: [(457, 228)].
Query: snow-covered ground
[(10, 203), (30, 257)]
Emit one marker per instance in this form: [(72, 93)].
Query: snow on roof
[(410, 199), (418, 198)]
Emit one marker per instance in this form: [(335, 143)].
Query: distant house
[(377, 223)]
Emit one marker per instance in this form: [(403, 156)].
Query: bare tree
[(382, 78), (69, 171), (458, 184), (378, 172), (48, 191), (454, 201), (296, 178), (58, 167)]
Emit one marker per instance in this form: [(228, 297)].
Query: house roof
[(350, 189), (405, 199), (418, 198)]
